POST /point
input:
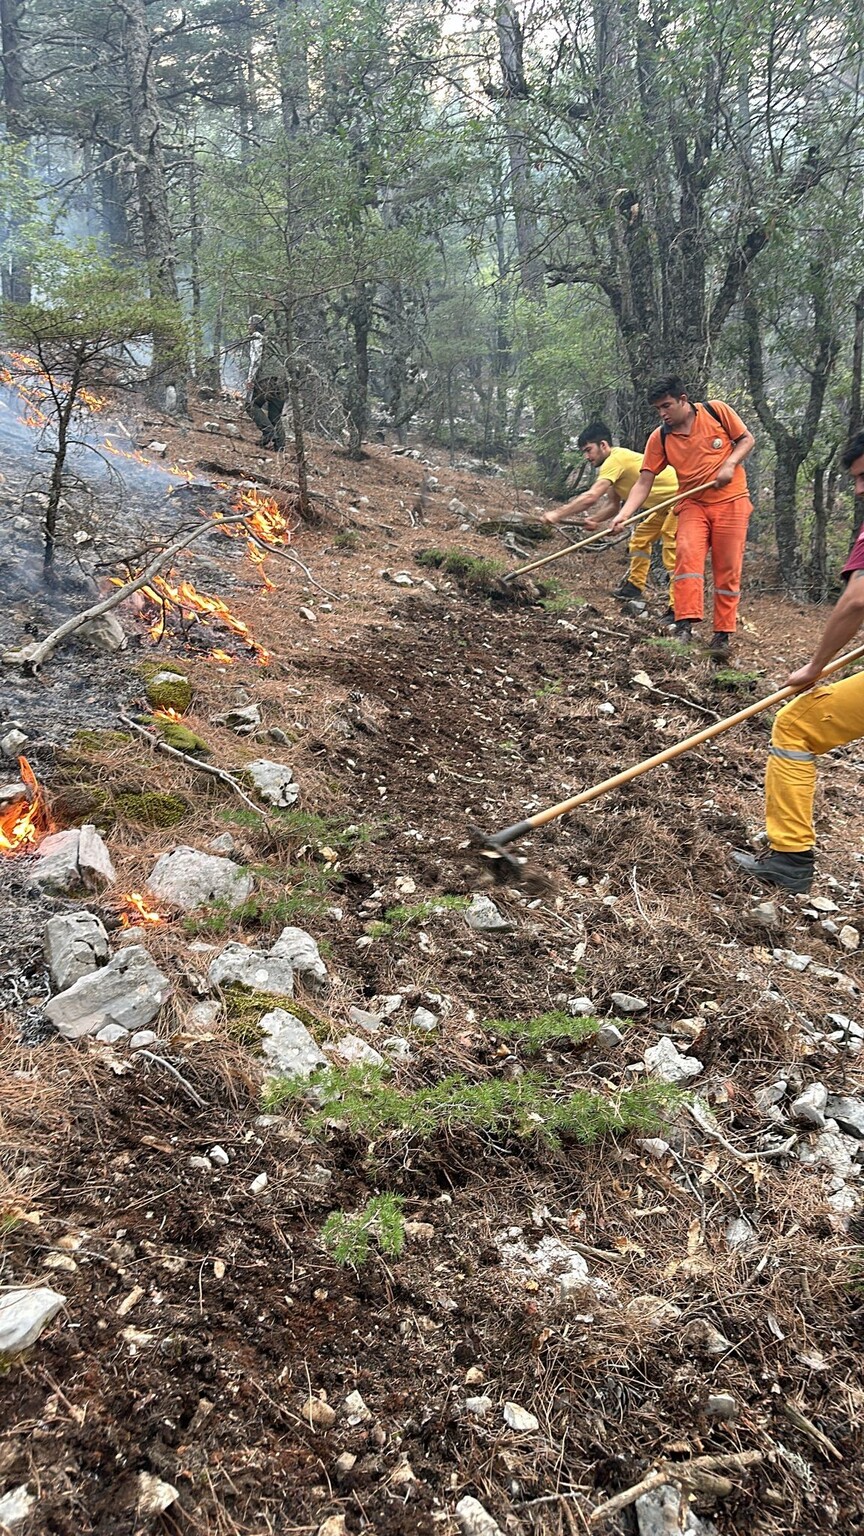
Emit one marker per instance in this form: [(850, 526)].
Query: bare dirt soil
[(200, 1317)]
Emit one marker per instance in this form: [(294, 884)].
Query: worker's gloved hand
[(805, 677), (724, 474)]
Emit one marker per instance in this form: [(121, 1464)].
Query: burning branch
[(31, 657)]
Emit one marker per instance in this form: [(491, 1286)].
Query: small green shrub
[(556, 599), (399, 918), (469, 570), (668, 643), (548, 689), (370, 1106), (730, 681), (348, 1237), (348, 539), (531, 1035), (264, 909)]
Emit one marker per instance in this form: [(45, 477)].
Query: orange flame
[(140, 912), (223, 657), (135, 456), (26, 820), (187, 599)]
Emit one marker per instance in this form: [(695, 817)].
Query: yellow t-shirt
[(622, 468)]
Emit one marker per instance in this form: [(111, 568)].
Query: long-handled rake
[(507, 869), (639, 517)]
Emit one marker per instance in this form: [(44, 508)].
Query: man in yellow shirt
[(617, 473)]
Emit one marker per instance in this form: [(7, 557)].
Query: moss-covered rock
[(179, 736), (150, 807), (244, 1010), (100, 741), (169, 690)]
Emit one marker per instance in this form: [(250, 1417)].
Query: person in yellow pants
[(617, 473), (826, 716)]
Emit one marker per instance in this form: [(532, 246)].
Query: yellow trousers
[(826, 717), (659, 525)]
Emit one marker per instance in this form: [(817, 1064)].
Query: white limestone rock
[(287, 1045), (76, 944), (24, 1312), (273, 781), (299, 948), (238, 965), (187, 878), (130, 991)]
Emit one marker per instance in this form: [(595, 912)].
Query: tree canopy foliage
[(484, 223)]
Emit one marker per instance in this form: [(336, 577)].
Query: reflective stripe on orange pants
[(815, 722), (658, 525), (721, 527)]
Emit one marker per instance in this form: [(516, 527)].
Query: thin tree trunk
[(855, 419), (358, 389), (169, 365), (16, 276), (297, 422)]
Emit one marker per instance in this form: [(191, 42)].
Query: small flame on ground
[(26, 820), (135, 456), (185, 597), (140, 912), (223, 657)]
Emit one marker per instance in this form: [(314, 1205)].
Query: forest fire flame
[(138, 911), (26, 820), (161, 592), (135, 456)]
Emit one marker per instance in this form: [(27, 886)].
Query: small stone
[(273, 781), (238, 965), (402, 579), (133, 935), (403, 1473), (608, 1036), (288, 1046), (318, 1413), (188, 879), (154, 1495), (655, 1146), (767, 914), (24, 1313), (423, 1018), (344, 1464), (202, 1016), (483, 916), (809, 1107), (704, 1337), (606, 709), (13, 743), (355, 1409), (66, 861), (111, 1034), (356, 1052), (371, 1022), (15, 1506), (474, 1520), (652, 1311), (243, 719), (219, 1156), (793, 961), (849, 1114), (103, 633), (623, 1002), (143, 1039), (224, 843), (129, 991), (580, 1007), (259, 1184), (739, 1233), (520, 1420), (308, 614), (849, 938), (721, 1405), (76, 944), (334, 1525), (201, 1164), (474, 1376), (479, 1406), (664, 1061), (299, 948), (419, 1231), (772, 1094)]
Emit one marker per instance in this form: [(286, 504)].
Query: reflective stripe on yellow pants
[(659, 525), (825, 717)]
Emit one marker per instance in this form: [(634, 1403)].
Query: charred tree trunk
[(169, 362), (818, 581), (295, 399), (16, 276), (65, 406)]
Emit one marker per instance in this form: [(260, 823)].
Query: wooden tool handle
[(669, 753), (637, 517)]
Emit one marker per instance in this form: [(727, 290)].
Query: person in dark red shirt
[(824, 717)]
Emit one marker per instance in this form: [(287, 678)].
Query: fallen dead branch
[(741, 1157), (811, 1430), (287, 554), (31, 657), (216, 773), (699, 1475), (160, 1061)]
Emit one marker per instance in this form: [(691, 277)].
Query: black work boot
[(790, 871), (721, 645), (667, 619), (683, 631), (628, 590)]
